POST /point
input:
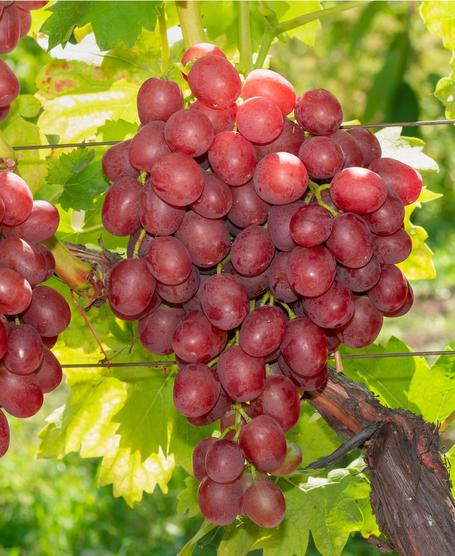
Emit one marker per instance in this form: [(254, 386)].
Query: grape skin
[(264, 504), (241, 375), (263, 443), (195, 390)]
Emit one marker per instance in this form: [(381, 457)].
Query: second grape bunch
[(262, 238)]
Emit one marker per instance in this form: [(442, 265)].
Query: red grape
[(10, 29), (19, 397), (9, 85), (352, 153), (232, 157), (168, 260), (310, 225), (130, 286), (48, 312), (332, 309), (405, 307), (25, 350), (177, 179), (389, 216), (116, 162), (224, 301), (351, 242), (400, 178), (158, 217), (207, 240), (199, 50), (195, 390), (322, 157), (262, 331), (224, 461), (304, 347), (278, 225), (247, 207), (16, 197), (264, 504), (394, 248), (219, 502), (3, 336), (292, 461), (25, 258), (367, 142), (360, 279), (216, 198), (148, 146), (252, 251), (180, 293), (288, 141), (222, 120), (49, 374), (41, 224), (259, 120), (255, 285), (365, 325), (319, 112), (311, 270), (157, 328), (390, 293), (280, 178), (278, 282), (358, 190), (15, 292), (4, 434), (280, 400), (26, 21), (158, 99), (196, 340), (271, 85), (189, 132), (214, 81), (121, 207), (199, 454), (241, 375), (263, 443), (222, 405)]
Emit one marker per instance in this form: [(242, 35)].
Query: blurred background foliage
[(383, 65)]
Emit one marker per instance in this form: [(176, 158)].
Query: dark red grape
[(19, 397), (195, 390), (351, 242), (31, 4), (292, 461), (158, 217), (3, 336), (26, 22), (280, 400), (25, 258), (196, 340), (177, 179), (148, 146), (224, 461), (305, 383), (389, 216), (121, 207), (48, 312), (130, 286), (158, 99), (41, 224), (288, 141), (310, 225), (255, 285), (405, 307), (207, 240), (48, 257), (304, 347), (278, 225), (365, 325), (232, 157), (49, 374), (332, 339), (116, 162), (270, 85), (311, 270), (280, 178), (332, 309), (10, 29), (263, 443), (394, 248), (180, 293), (400, 178), (358, 190), (168, 260), (25, 350), (390, 293), (262, 331), (241, 375), (360, 279), (9, 85), (199, 454), (189, 132), (157, 328), (252, 251), (223, 404), (368, 144), (278, 281), (352, 153), (214, 81), (322, 157), (216, 198), (319, 112), (4, 434), (15, 292), (264, 504), (222, 119), (219, 502), (259, 120), (247, 207), (224, 301), (17, 198)]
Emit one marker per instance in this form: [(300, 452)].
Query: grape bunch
[(15, 22), (31, 315), (259, 242)]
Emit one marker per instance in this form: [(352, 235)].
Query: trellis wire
[(346, 126), (389, 355)]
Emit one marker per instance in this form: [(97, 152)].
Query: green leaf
[(73, 180), (419, 265), (388, 378), (112, 22), (330, 508), (450, 462), (187, 499), (189, 547), (432, 389)]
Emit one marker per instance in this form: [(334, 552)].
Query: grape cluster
[(15, 22), (259, 243), (31, 315)]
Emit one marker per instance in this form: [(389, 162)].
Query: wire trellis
[(346, 126), (150, 364)]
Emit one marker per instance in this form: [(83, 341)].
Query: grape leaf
[(74, 180), (187, 499), (450, 462), (330, 508), (112, 22)]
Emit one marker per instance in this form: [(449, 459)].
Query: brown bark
[(410, 486)]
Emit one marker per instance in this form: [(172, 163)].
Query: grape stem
[(317, 190), (190, 22), (289, 311), (240, 411), (244, 37), (272, 29)]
